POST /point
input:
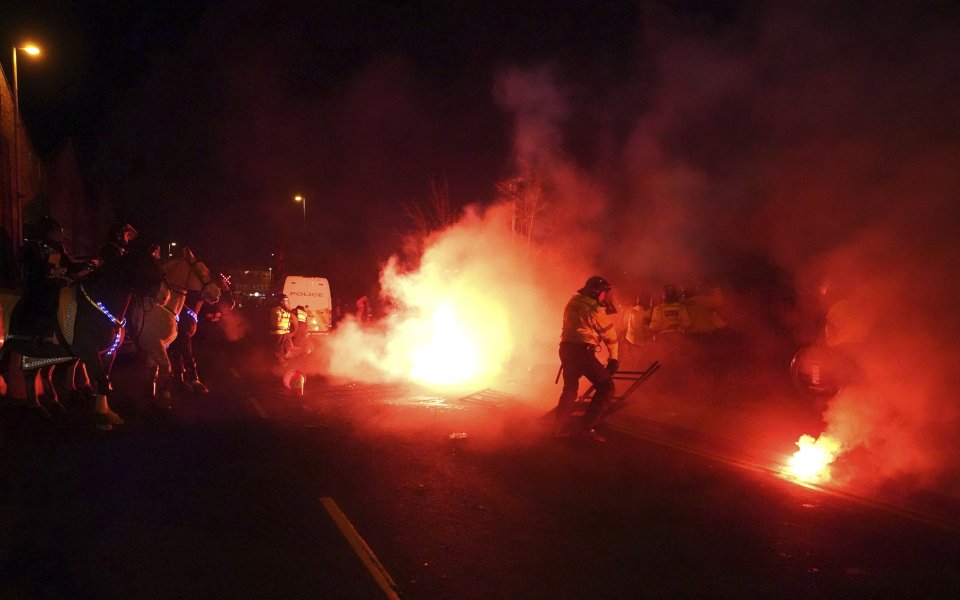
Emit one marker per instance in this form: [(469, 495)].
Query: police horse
[(180, 351), (154, 326), (90, 324)]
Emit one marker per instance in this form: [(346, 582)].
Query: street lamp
[(303, 201), (18, 208)]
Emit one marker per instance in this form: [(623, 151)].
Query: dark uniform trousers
[(580, 360)]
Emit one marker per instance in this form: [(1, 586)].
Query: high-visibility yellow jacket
[(638, 325), (280, 320), (703, 315), (669, 316), (586, 321)]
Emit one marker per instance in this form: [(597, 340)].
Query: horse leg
[(53, 399), (78, 370), (177, 363), (163, 372), (193, 378), (30, 387), (154, 371), (190, 366), (70, 375), (105, 418)]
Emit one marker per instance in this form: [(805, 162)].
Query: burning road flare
[(811, 463)]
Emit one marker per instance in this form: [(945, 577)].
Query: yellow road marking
[(360, 547)]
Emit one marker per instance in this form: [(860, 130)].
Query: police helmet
[(117, 230), (594, 286)]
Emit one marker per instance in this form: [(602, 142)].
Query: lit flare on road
[(811, 463)]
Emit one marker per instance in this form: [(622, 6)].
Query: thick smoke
[(490, 279), (801, 157), (798, 159), (471, 307), (822, 149)]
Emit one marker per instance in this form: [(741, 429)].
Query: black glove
[(613, 365)]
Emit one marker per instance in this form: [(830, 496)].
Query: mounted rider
[(118, 241), (46, 269)]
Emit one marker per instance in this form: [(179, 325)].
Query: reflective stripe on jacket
[(585, 321), (669, 316), (280, 321)]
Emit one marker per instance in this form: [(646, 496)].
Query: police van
[(312, 293)]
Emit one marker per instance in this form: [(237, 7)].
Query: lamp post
[(170, 247), (302, 201), (17, 206)]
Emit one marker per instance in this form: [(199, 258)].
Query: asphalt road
[(222, 498)]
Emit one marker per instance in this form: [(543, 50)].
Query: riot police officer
[(280, 328), (670, 316), (587, 324), (118, 241), (46, 269)]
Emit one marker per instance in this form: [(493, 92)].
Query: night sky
[(201, 120)]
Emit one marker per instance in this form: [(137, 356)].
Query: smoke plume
[(801, 157), (822, 149)]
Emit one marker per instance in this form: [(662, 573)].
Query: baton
[(560, 370)]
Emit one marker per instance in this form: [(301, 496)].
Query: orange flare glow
[(811, 463), (469, 314), (454, 335)]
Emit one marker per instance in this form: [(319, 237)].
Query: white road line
[(360, 547)]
